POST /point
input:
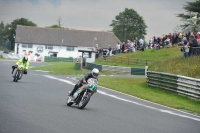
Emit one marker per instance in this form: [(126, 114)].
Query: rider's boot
[(12, 71), (74, 90)]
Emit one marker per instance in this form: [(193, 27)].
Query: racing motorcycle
[(82, 95), (18, 72)]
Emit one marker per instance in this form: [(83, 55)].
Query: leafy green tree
[(2, 31), (192, 9), (54, 26), (129, 25), (11, 28)]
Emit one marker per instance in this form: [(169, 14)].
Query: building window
[(30, 45), (70, 48), (87, 54), (27, 45), (49, 47)]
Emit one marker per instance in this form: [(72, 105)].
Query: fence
[(196, 51), (179, 84), (57, 59), (117, 69), (78, 66), (124, 60), (92, 65)]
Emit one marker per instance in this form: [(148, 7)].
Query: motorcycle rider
[(93, 74), (23, 61)]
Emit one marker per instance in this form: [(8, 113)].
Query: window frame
[(68, 48), (27, 45)]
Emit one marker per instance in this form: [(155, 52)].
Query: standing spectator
[(198, 38), (119, 48), (180, 35), (192, 44), (131, 46), (187, 36), (159, 40), (123, 47), (170, 37), (184, 47), (174, 38), (167, 43), (141, 41), (109, 50), (116, 49), (151, 42)]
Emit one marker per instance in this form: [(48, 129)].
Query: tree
[(192, 9), (11, 28), (128, 25), (2, 31), (54, 26), (177, 29)]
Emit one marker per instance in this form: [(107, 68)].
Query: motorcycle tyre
[(15, 79), (68, 102), (84, 104)]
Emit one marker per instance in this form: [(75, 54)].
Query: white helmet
[(95, 72)]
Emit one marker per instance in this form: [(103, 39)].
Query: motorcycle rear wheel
[(84, 101)]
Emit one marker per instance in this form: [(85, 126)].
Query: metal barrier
[(78, 66), (176, 83), (57, 59), (117, 69), (195, 51), (125, 60), (91, 66)]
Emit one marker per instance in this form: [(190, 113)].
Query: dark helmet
[(25, 59), (95, 72)]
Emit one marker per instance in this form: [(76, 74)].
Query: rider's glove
[(84, 82)]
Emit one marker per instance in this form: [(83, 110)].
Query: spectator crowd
[(189, 44)]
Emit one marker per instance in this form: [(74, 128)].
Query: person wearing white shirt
[(116, 49), (151, 42), (118, 46), (131, 46)]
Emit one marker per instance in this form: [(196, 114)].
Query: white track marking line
[(129, 101)]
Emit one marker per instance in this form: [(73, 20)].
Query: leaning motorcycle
[(82, 95), (18, 72)]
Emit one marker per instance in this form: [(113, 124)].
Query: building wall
[(42, 51)]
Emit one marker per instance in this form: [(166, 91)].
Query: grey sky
[(96, 15)]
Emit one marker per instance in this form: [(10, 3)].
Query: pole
[(190, 23)]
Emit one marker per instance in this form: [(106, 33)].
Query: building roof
[(65, 37)]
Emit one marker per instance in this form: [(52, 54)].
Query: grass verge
[(63, 68), (60, 68), (138, 88)]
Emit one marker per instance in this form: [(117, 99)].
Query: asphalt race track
[(37, 104)]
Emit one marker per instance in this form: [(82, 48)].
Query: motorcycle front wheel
[(15, 78), (84, 101), (69, 103)]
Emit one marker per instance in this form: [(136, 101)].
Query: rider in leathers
[(23, 61), (94, 74)]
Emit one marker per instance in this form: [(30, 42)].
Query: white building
[(39, 42)]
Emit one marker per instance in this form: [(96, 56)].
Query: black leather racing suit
[(80, 82)]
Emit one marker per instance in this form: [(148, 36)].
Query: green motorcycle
[(82, 95)]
